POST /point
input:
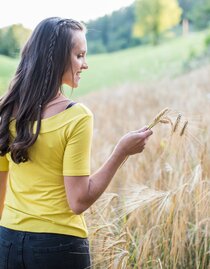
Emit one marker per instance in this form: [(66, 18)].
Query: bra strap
[(70, 105)]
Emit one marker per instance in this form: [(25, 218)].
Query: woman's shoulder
[(83, 109), (67, 118)]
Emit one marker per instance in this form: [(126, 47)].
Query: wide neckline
[(60, 119), (57, 114), (53, 116)]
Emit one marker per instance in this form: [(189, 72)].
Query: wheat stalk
[(119, 242), (102, 227), (184, 128), (164, 121), (121, 258), (178, 119), (157, 118)]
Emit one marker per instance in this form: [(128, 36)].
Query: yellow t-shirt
[(35, 198)]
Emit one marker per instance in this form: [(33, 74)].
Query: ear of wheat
[(178, 119), (158, 117), (184, 128)]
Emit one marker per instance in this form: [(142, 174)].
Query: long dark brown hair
[(38, 77)]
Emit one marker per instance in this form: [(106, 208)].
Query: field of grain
[(156, 212)]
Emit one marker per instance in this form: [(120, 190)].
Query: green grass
[(7, 70), (143, 63)]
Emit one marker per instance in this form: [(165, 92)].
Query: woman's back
[(36, 194)]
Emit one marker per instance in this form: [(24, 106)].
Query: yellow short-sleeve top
[(35, 198)]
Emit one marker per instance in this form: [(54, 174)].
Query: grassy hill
[(137, 64)]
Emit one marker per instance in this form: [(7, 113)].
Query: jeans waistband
[(11, 234)]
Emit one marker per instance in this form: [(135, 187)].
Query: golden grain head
[(184, 128), (164, 121), (158, 117), (176, 124), (121, 259)]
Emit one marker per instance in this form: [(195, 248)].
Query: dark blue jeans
[(26, 250)]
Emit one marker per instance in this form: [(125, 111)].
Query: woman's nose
[(85, 66)]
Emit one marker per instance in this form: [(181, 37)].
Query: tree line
[(12, 39), (145, 21)]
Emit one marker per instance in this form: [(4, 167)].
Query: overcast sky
[(30, 13)]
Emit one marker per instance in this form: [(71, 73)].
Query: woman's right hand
[(133, 142)]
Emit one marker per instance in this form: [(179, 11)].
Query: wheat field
[(156, 211)]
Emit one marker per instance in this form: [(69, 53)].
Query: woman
[(45, 144)]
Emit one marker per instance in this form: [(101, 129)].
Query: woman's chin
[(76, 85), (72, 85)]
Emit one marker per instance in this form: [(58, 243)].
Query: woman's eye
[(80, 55)]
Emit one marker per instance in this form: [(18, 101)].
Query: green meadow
[(143, 63), (7, 69)]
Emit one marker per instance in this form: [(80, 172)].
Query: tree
[(121, 37), (97, 35), (21, 34), (8, 43), (12, 39), (112, 32), (187, 6), (200, 14), (154, 17)]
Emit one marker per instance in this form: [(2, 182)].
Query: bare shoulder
[(55, 106)]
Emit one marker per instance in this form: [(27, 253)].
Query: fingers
[(144, 136), (142, 129), (145, 130), (134, 141), (141, 148), (146, 133)]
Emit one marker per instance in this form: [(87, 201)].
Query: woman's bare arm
[(83, 191), (3, 183)]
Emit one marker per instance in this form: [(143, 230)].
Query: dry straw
[(113, 245), (121, 259)]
